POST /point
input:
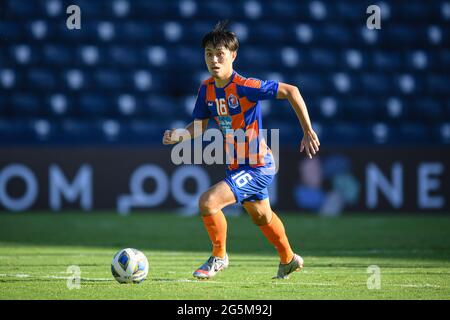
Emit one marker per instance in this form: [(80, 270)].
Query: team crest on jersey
[(233, 102)]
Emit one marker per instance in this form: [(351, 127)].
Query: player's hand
[(310, 143), (167, 138)]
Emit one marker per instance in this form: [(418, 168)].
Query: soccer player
[(233, 102)]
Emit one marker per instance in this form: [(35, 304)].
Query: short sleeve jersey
[(236, 109)]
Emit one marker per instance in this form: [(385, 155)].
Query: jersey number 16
[(221, 107)]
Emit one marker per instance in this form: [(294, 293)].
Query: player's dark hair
[(221, 37)]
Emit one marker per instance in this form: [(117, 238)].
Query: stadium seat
[(42, 79), (57, 55), (93, 105), (385, 60), (25, 104), (426, 109), (320, 59), (13, 132), (108, 79), (22, 8), (412, 133)]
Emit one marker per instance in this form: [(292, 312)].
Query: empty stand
[(135, 66)]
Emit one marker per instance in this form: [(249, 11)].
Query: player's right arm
[(191, 131), (201, 116), (310, 142)]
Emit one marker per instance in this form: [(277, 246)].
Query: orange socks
[(216, 225), (275, 233)]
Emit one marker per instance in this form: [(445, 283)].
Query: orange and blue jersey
[(236, 107)]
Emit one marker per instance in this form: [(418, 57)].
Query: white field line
[(164, 280), (51, 277), (321, 284), (426, 285)]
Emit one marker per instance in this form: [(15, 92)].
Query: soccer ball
[(129, 266)]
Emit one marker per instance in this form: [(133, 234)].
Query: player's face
[(219, 61)]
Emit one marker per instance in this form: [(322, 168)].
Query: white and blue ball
[(129, 266)]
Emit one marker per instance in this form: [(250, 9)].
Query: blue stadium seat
[(375, 83), (12, 31), (42, 79), (284, 8), (426, 109), (147, 131), (438, 84), (13, 132), (266, 32), (336, 34), (360, 108), (385, 60), (446, 107), (310, 84), (221, 9), (444, 59), (321, 59), (412, 133), (348, 10), (255, 58), (345, 133), (123, 56), (194, 55), (197, 29), (134, 31), (25, 104), (287, 134), (403, 35), (414, 11), (91, 9), (76, 131), (22, 8), (58, 55), (4, 102), (93, 105), (161, 107), (151, 9), (108, 79)]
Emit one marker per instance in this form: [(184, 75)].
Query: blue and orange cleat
[(211, 267), (284, 270)]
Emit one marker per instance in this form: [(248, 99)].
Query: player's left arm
[(310, 142)]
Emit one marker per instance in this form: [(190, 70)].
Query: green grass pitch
[(412, 252)]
